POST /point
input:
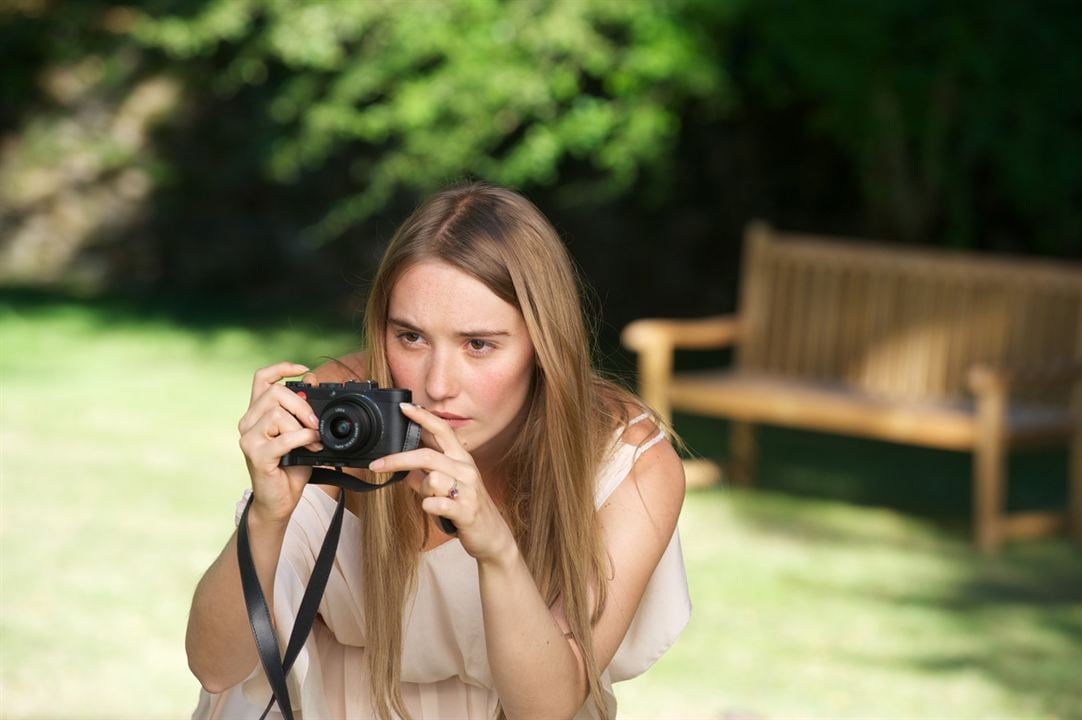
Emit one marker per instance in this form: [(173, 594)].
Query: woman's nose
[(441, 381)]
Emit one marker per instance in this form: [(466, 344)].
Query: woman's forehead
[(437, 293)]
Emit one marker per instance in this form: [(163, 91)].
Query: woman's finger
[(285, 443), (275, 396), (427, 459), (416, 480), (270, 375), (276, 421), (439, 429), (268, 443), (453, 510), (295, 404), (438, 483)]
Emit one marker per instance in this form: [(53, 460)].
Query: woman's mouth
[(455, 421)]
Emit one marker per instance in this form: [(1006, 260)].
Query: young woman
[(566, 573)]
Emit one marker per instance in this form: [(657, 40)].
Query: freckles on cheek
[(491, 391), (503, 389), (402, 375)]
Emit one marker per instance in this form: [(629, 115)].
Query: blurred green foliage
[(239, 137), (504, 91)]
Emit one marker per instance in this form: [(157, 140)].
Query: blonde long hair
[(503, 240)]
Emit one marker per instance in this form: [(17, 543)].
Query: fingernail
[(314, 420), (319, 447), (376, 464), (406, 405)]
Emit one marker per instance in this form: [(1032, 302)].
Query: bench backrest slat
[(900, 323)]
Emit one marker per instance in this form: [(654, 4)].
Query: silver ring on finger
[(453, 492)]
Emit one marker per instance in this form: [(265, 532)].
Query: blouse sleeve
[(665, 608), (662, 615)]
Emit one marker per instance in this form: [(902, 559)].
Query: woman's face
[(463, 351)]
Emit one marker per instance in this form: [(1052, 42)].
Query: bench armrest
[(655, 340), (709, 333)]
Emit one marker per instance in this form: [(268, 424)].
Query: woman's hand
[(442, 466), (278, 421)]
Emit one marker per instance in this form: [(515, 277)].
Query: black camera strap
[(266, 639)]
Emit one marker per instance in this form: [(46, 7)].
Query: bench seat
[(760, 398)]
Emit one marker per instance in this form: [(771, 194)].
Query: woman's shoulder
[(627, 419), (353, 366), (635, 424), (655, 458), (643, 484), (639, 450)]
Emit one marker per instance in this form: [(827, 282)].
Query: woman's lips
[(453, 420)]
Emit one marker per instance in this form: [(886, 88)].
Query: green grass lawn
[(846, 587)]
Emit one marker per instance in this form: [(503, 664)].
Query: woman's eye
[(409, 337), (479, 345)]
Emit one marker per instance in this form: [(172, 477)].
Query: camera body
[(358, 423)]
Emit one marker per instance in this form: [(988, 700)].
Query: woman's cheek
[(503, 389), (491, 392), (403, 375)]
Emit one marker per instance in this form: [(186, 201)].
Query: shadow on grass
[(1018, 666), (929, 483), (1043, 665), (197, 313), (1018, 616), (291, 331), (1014, 621)]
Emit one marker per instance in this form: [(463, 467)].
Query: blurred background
[(192, 189)]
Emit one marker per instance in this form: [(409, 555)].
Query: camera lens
[(349, 426), (342, 428)]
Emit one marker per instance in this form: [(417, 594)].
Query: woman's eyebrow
[(463, 333), (484, 333), (403, 324)]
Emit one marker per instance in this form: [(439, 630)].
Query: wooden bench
[(941, 349)]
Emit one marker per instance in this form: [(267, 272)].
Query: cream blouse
[(445, 671)]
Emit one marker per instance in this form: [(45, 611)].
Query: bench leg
[(1075, 487), (742, 451), (989, 481), (990, 470)]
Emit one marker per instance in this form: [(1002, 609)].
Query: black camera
[(358, 423)]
